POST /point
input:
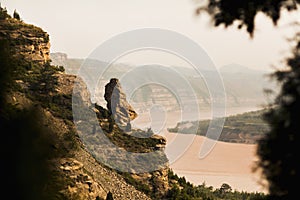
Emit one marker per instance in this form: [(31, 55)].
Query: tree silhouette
[(225, 188), (3, 13), (16, 15), (225, 12), (278, 149)]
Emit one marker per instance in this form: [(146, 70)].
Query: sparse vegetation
[(142, 144)]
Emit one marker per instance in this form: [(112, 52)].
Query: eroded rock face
[(122, 111), (29, 41)]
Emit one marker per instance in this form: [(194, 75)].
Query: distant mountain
[(244, 87)]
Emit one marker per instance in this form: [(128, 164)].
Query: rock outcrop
[(29, 41), (122, 112), (162, 142), (85, 177)]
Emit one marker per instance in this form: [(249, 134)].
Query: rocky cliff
[(30, 41), (72, 172)]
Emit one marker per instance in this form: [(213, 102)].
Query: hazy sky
[(77, 27)]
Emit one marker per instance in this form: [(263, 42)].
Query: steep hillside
[(48, 160)]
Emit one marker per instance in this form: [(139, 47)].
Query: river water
[(225, 163)]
